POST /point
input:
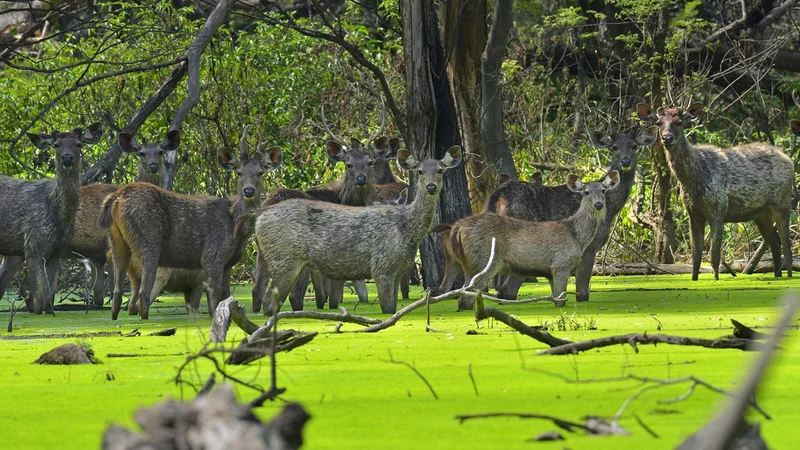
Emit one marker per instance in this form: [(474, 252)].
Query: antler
[(243, 143), (383, 122), (330, 133)]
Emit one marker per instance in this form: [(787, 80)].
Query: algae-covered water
[(358, 399)]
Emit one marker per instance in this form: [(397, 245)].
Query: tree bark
[(431, 120)]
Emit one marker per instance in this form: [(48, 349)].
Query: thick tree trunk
[(432, 121)]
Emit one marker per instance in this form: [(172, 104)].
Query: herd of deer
[(361, 226)]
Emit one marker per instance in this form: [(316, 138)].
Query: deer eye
[(586, 192), (80, 144), (371, 163), (349, 166), (141, 154), (614, 147), (441, 170), (419, 171), (260, 173), (635, 146), (56, 145)]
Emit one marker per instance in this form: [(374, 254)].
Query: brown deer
[(552, 249), (387, 187), (351, 243), (537, 202), (37, 217), (162, 228), (749, 182), (356, 187)]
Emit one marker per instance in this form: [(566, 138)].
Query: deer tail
[(107, 216), (442, 228)]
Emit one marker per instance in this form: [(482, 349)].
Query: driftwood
[(212, 421), (765, 266), (226, 311), (68, 354), (644, 338)]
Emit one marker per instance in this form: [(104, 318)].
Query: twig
[(343, 316), (644, 426), (472, 379), (414, 369), (561, 423), (644, 338)]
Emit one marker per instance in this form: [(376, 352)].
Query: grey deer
[(748, 182), (162, 228), (552, 249), (537, 202), (350, 243), (37, 218)]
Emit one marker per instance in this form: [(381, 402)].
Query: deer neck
[(681, 157), (67, 193), (383, 174), (153, 178), (585, 222), (354, 195), (616, 198), (420, 212)]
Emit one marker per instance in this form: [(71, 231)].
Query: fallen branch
[(226, 311), (561, 423), (644, 338), (541, 336), (343, 316)]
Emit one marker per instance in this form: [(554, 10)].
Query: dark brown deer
[(356, 187), (37, 217), (387, 187), (749, 182), (552, 249), (351, 243), (537, 202), (89, 241), (162, 228)]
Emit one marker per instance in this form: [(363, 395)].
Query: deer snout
[(67, 159), (667, 138), (361, 180), (598, 205), (431, 188), (626, 163), (154, 166), (249, 191)]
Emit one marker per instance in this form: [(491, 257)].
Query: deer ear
[(611, 180), (645, 112), (92, 134), (795, 125), (503, 178), (41, 140), (695, 111), (537, 178), (273, 158), (648, 136), (394, 145), (403, 199), (126, 143), (355, 144), (452, 158), (226, 160), (335, 151), (406, 160), (172, 141), (381, 147), (600, 140), (574, 183)]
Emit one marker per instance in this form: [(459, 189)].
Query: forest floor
[(358, 399)]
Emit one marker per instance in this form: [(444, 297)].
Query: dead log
[(213, 420), (164, 332), (765, 266), (229, 310), (647, 269), (634, 338)]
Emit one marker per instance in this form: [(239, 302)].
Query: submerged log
[(68, 354)]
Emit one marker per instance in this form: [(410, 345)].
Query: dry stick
[(472, 378), (414, 369), (343, 316), (561, 423), (644, 338)]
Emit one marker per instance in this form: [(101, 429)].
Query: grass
[(358, 399)]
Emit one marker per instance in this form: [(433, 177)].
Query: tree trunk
[(432, 121)]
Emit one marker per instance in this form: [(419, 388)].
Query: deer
[(157, 227), (387, 187), (552, 249), (89, 241), (753, 181), (37, 218), (538, 202), (356, 187), (351, 243)]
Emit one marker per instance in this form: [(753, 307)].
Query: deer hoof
[(560, 303)]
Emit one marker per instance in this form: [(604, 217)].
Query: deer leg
[(193, 299), (559, 285), (99, 281), (583, 274), (361, 290), (510, 287), (698, 226), (451, 271), (226, 283), (783, 218), (298, 293), (260, 280), (162, 278), (120, 257), (387, 293), (215, 289), (146, 287), (51, 271), (282, 282), (335, 293), (320, 288), (717, 227), (8, 269), (405, 280), (770, 236), (136, 283)]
